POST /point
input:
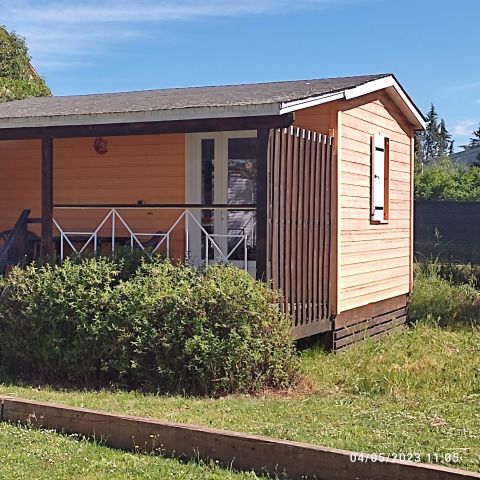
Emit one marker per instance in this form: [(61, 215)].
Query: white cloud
[(466, 86), (111, 11), (465, 127), (76, 30)]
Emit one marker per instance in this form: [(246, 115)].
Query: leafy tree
[(446, 179), (18, 80)]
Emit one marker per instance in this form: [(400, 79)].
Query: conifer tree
[(451, 149), (475, 139), (444, 140), (431, 136), (419, 146)]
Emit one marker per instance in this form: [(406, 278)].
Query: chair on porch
[(17, 251)]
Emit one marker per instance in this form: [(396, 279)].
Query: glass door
[(240, 187), (221, 169)]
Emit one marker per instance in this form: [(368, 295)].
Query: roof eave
[(190, 113), (389, 83)]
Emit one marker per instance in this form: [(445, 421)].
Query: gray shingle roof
[(179, 98), (467, 157)]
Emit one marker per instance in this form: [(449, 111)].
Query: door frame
[(193, 176)]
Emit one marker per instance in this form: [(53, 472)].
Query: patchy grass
[(44, 455), (441, 294), (417, 391)]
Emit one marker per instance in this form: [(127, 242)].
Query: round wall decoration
[(100, 145)]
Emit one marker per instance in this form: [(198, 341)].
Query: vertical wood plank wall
[(150, 168), (299, 221), (374, 258)]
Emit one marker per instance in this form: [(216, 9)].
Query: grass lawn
[(45, 455), (417, 391)]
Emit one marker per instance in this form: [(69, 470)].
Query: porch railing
[(113, 228)]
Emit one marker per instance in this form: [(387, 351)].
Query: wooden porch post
[(262, 202), (46, 246)]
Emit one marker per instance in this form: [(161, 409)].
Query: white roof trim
[(389, 83), (191, 113), (310, 102)]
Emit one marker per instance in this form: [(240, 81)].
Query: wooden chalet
[(307, 184)]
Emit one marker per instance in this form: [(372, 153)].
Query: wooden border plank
[(289, 299), (240, 451), (294, 234), (300, 303)]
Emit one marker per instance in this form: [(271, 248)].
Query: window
[(380, 179)]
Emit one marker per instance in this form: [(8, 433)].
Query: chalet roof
[(467, 157), (178, 103)]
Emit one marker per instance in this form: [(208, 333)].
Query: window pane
[(242, 188), (207, 189)]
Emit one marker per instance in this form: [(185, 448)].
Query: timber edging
[(237, 450)]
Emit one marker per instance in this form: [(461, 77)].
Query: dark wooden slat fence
[(447, 229), (299, 226)]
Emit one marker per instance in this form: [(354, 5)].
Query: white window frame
[(380, 176)]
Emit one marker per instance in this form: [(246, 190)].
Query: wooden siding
[(321, 118), (136, 168), (375, 259), (20, 166), (373, 320)]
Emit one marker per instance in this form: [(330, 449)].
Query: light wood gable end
[(388, 84), (375, 260), (372, 262)]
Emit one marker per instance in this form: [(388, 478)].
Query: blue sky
[(106, 45)]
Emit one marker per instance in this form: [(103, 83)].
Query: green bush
[(446, 179), (163, 326), (440, 300), (460, 273)]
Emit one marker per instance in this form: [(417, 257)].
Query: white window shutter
[(378, 178)]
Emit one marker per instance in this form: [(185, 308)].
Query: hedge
[(160, 326)]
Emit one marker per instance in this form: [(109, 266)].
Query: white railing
[(220, 244)]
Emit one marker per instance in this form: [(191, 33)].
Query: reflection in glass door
[(241, 189), (223, 170)]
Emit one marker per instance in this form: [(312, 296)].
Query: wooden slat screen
[(299, 226)]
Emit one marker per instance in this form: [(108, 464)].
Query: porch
[(257, 198)]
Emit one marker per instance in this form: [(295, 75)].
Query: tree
[(451, 148), (435, 141), (431, 136), (444, 140), (442, 178), (475, 139), (18, 79)]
